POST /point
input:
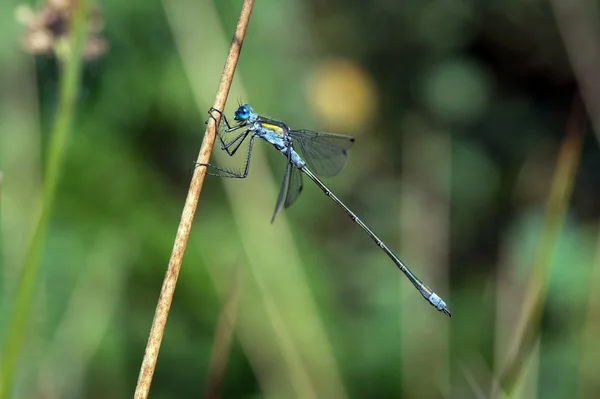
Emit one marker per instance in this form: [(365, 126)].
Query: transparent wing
[(284, 190), (325, 153), (295, 186)]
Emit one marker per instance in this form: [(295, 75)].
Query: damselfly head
[(243, 113)]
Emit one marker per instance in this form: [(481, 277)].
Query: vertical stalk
[(69, 55)]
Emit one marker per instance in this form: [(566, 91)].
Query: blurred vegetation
[(467, 127)]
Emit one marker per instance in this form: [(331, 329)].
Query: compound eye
[(243, 113)]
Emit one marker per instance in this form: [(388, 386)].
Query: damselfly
[(324, 153)]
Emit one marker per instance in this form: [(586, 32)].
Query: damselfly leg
[(230, 147), (234, 142)]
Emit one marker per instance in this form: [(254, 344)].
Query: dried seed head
[(49, 26)]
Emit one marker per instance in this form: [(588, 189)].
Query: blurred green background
[(467, 126)]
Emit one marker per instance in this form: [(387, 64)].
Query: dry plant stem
[(223, 335), (187, 216), (560, 192)]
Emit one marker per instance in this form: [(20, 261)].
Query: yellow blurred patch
[(342, 95)]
